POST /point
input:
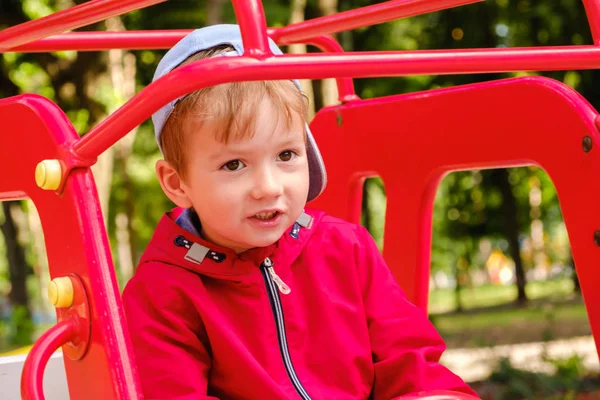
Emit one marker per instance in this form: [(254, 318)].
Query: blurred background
[(503, 292)]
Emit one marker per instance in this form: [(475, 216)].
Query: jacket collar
[(175, 245)]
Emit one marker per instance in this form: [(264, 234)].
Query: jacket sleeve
[(406, 347), (165, 331)]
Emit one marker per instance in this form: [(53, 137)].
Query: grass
[(444, 300), (490, 316), (511, 327)]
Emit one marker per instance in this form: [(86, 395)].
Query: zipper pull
[(283, 287)]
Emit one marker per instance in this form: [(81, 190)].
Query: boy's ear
[(171, 184)]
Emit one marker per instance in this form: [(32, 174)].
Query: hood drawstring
[(196, 252), (304, 221)]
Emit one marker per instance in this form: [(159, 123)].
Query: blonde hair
[(233, 106)]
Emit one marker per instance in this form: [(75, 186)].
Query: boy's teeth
[(267, 215)]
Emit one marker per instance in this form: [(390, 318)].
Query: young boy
[(243, 294)]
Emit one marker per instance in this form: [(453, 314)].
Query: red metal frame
[(252, 22), (345, 86), (76, 243), (441, 131), (215, 71)]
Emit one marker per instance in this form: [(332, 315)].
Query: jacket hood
[(174, 245)]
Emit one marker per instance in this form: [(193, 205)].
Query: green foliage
[(521, 384), (570, 370), (20, 327)]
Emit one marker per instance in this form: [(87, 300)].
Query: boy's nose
[(266, 184)]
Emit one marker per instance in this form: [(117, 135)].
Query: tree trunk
[(18, 271), (40, 268), (329, 92), (458, 287), (297, 10), (365, 213), (122, 69), (511, 229), (214, 12), (576, 284)]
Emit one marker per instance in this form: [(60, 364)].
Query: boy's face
[(249, 191)]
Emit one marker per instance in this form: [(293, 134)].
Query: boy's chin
[(266, 239)]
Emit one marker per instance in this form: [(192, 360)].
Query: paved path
[(476, 364)]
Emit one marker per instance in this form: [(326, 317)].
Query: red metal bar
[(254, 37), (253, 26), (364, 16), (592, 9), (99, 41), (32, 378), (165, 39), (71, 18), (158, 39), (318, 66), (345, 86)]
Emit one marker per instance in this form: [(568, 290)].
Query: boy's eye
[(285, 155), (233, 165)]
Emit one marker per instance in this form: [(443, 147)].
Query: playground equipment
[(442, 131)]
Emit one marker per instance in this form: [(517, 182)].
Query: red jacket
[(222, 328)]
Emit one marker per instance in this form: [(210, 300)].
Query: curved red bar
[(345, 85), (71, 18), (215, 71), (101, 41), (32, 378)]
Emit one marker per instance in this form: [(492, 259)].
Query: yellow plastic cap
[(60, 292), (48, 174)]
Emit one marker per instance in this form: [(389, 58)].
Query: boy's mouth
[(265, 216)]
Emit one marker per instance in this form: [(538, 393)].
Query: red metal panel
[(412, 140), (35, 129)]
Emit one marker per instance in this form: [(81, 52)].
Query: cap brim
[(316, 167)]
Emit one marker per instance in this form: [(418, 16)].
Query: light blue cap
[(212, 36)]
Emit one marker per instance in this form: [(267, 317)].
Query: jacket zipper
[(273, 281)]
